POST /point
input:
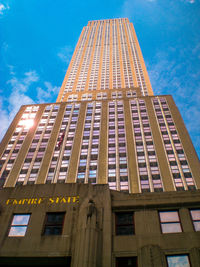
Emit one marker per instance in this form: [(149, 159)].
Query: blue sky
[(37, 39)]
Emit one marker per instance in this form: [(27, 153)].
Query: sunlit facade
[(107, 56)]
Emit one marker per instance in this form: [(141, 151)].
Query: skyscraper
[(107, 56), (107, 130)]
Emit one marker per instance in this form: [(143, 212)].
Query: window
[(178, 260), (54, 223), (124, 223), (19, 225), (170, 222), (126, 262), (195, 214)]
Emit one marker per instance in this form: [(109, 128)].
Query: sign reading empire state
[(40, 200)]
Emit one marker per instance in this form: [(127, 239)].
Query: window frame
[(54, 224), (170, 222), (119, 226), (18, 225), (126, 257), (193, 220), (177, 255)]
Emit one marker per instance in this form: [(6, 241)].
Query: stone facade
[(89, 230)]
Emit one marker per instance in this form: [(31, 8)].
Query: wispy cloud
[(47, 93), (190, 1), (65, 54), (181, 80), (4, 118), (17, 97), (3, 8), (15, 101), (22, 85)]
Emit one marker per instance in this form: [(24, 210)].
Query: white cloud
[(17, 97), (48, 93), (180, 79), (23, 84), (15, 101), (3, 8), (4, 118), (65, 54), (11, 69)]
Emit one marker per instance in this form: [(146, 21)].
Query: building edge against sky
[(107, 130)]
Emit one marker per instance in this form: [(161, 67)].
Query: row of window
[(124, 223), (89, 76), (170, 222), (101, 95), (181, 260), (54, 221)]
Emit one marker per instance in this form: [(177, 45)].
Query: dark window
[(124, 223), (126, 262), (54, 223)]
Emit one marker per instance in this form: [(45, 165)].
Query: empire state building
[(105, 176)]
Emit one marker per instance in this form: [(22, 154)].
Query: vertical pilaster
[(131, 151), (73, 165), (101, 57), (103, 149), (120, 56), (91, 58)]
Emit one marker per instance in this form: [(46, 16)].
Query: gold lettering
[(34, 201), (63, 200), (29, 200), (40, 200), (8, 201), (21, 201), (51, 200), (75, 199), (15, 202)]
